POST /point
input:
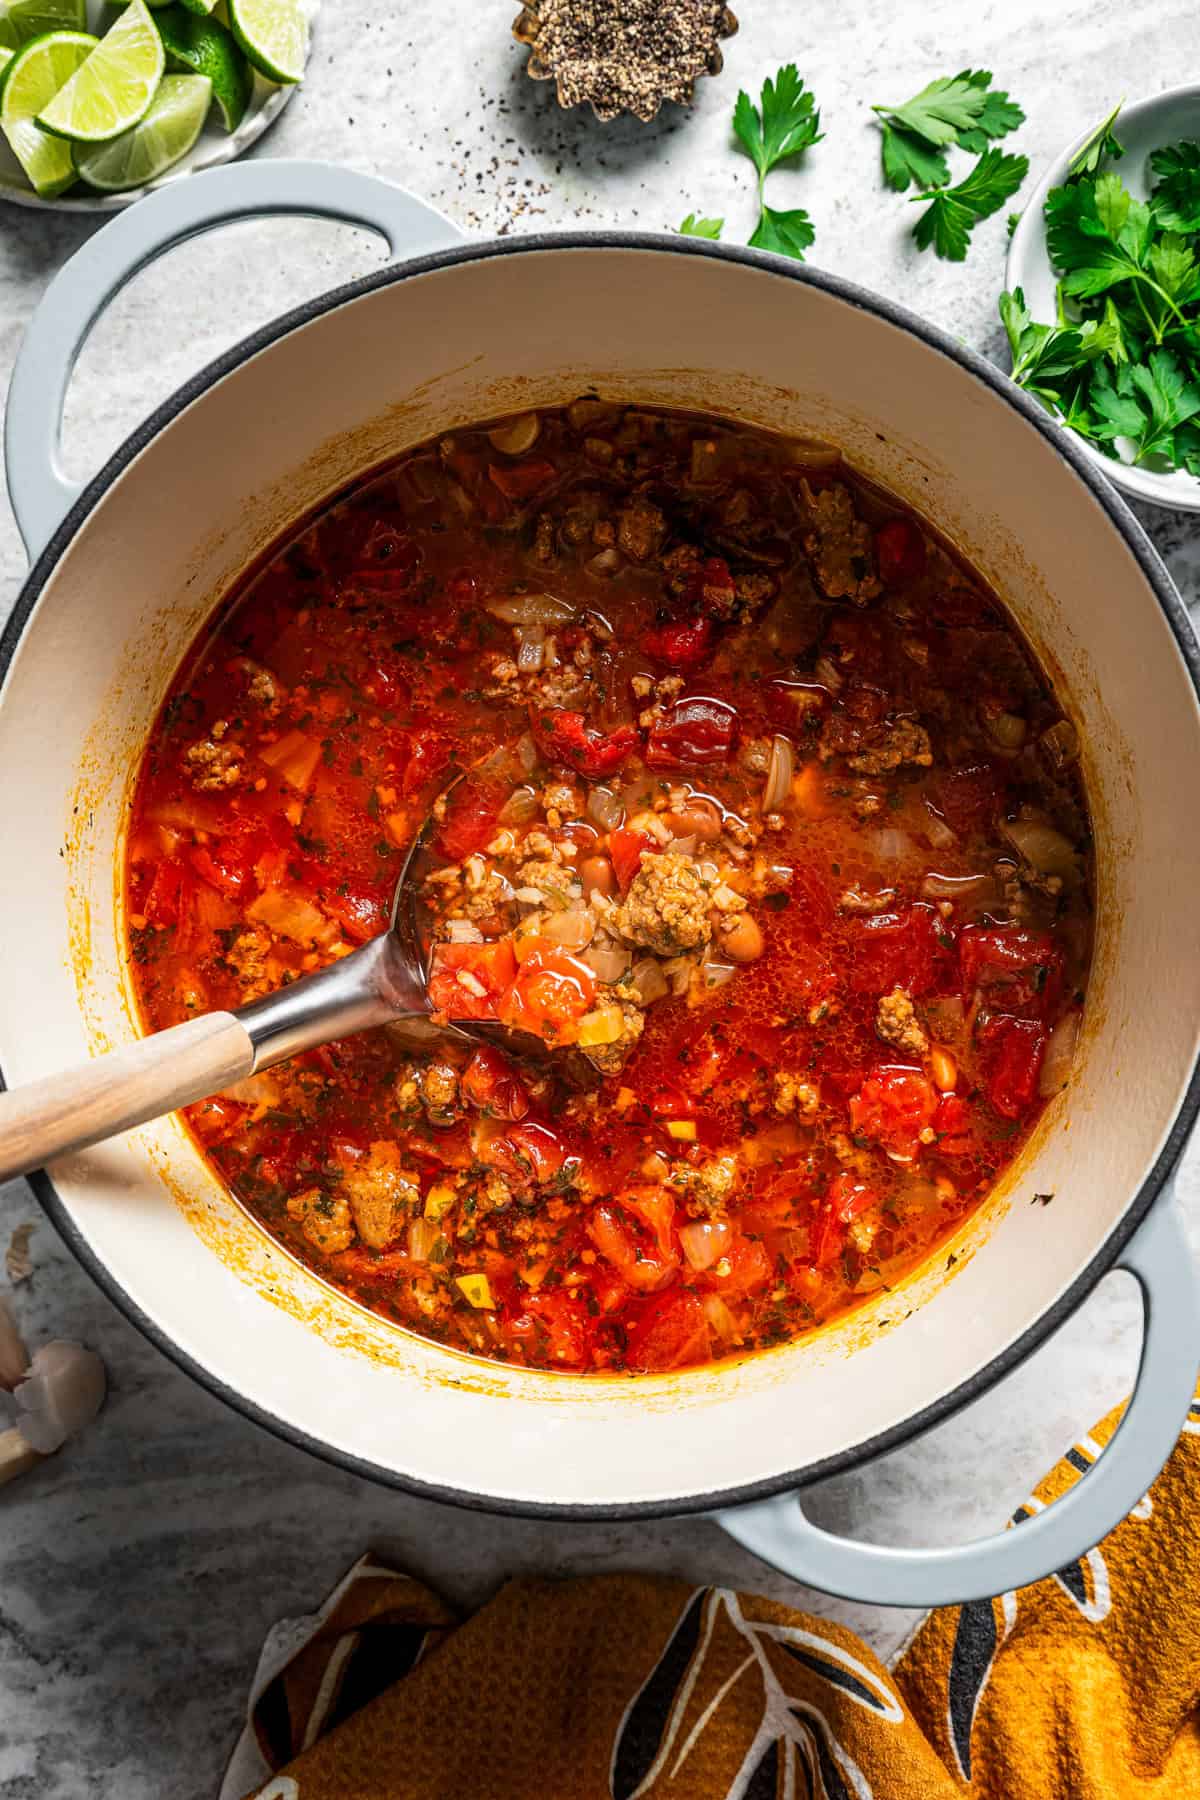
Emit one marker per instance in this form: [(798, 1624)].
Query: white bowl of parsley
[(1102, 301)]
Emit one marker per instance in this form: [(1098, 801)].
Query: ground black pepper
[(624, 55)]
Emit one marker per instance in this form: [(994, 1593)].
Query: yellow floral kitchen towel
[(1084, 1687)]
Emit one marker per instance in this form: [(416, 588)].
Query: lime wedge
[(200, 6), (113, 89), (23, 20), (274, 35), (168, 131), (203, 47), (6, 56), (32, 78)]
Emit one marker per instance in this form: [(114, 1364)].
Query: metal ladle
[(385, 981)]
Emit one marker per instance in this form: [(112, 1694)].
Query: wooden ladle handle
[(113, 1093)]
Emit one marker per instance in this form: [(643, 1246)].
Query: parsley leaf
[(786, 233), (958, 109), (1147, 403), (909, 158), (946, 106), (1176, 197), (701, 228), (1097, 234), (1102, 142), (1050, 361), (954, 212), (787, 125)]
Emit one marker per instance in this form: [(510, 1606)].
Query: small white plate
[(214, 146), (1146, 126)]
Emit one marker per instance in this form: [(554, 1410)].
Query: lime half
[(202, 47), (30, 81), (23, 20), (113, 89), (168, 131), (274, 35)]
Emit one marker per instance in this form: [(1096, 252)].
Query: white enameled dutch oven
[(126, 571)]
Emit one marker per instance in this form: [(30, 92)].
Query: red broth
[(773, 831)]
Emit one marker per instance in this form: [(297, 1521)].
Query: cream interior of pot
[(288, 428)]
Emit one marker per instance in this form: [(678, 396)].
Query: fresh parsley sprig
[(961, 109), (702, 228), (1121, 365), (953, 212), (785, 124)]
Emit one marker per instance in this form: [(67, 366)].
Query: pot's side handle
[(40, 492), (1158, 1256)]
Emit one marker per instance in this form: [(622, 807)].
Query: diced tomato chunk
[(749, 1268), (520, 481), (625, 852), (892, 1108), (636, 1235), (470, 821), (566, 737), (550, 993), (428, 761), (850, 1195), (1016, 1049), (460, 970), (952, 1124), (490, 1082), (361, 915), (164, 896), (554, 1324), (671, 1332), (1019, 972), (698, 730), (227, 864), (968, 797), (904, 949), (899, 553), (681, 646), (530, 1151)]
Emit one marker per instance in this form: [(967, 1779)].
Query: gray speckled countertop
[(139, 1572)]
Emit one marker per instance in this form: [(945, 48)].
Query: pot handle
[(1159, 1258), (40, 493)]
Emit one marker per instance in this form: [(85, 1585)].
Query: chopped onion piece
[(648, 978), (531, 609), (717, 974), (1061, 744), (520, 807), (937, 830), (518, 436), (780, 769), (607, 562), (1046, 849), (571, 929), (529, 896), (63, 1391), (1060, 1054), (527, 752), (811, 453), (953, 887), (604, 809), (1007, 730), (462, 931), (705, 1241), (720, 1319), (890, 844), (828, 674), (423, 1234), (607, 961), (531, 647)]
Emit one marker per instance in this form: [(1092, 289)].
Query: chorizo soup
[(766, 823)]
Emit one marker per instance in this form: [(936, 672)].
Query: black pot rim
[(1158, 580)]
